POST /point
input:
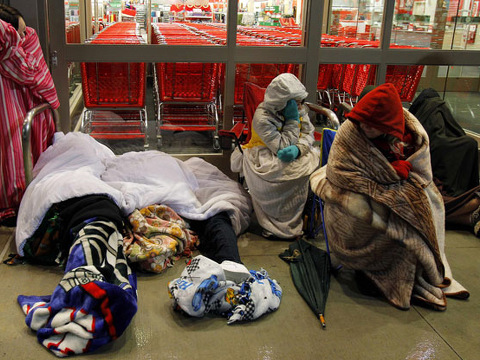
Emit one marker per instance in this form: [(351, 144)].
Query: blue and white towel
[(204, 287)]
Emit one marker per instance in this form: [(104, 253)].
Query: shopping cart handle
[(332, 117), (26, 138), (345, 107)]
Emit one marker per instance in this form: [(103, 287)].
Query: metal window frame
[(310, 55)]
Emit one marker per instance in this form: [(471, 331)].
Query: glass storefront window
[(432, 25), (162, 22), (459, 87), (354, 23), (128, 19), (406, 79), (114, 104), (200, 22), (188, 110), (269, 23), (447, 25)]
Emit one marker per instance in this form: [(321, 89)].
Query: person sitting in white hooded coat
[(279, 158)]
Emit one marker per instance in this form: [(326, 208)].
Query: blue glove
[(290, 112), (289, 153)]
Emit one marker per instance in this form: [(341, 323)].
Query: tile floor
[(358, 326)]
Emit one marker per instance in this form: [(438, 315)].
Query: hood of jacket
[(281, 89)]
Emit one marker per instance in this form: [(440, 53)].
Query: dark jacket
[(454, 154)]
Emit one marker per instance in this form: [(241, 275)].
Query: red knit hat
[(381, 109)]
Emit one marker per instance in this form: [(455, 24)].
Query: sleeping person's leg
[(218, 240)]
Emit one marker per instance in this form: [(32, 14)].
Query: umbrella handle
[(322, 320)]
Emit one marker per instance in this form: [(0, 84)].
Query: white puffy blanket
[(77, 165)]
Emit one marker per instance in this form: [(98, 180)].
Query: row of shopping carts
[(336, 82), (188, 96)]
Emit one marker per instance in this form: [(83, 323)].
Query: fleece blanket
[(94, 302), (156, 238), (76, 165), (206, 287), (391, 229)]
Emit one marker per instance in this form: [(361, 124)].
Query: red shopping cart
[(114, 93), (186, 99), (405, 78)]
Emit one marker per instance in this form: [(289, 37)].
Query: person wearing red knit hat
[(383, 214), (380, 116)]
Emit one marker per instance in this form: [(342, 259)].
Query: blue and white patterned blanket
[(94, 302)]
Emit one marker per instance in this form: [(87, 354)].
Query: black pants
[(218, 241)]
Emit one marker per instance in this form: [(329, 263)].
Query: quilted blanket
[(157, 237)]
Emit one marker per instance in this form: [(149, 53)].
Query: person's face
[(21, 27), (369, 131)]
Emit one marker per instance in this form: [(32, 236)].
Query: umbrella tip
[(322, 320)]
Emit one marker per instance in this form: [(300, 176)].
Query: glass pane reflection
[(354, 22), (436, 24), (269, 23), (198, 19)]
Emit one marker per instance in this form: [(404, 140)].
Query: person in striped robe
[(25, 82)]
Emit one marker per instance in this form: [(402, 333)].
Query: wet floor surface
[(358, 326)]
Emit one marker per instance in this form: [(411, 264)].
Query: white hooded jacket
[(268, 118), (279, 189)]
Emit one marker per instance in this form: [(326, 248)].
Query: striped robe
[(25, 82)]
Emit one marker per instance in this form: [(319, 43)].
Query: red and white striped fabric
[(25, 82)]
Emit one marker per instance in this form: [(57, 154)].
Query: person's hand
[(289, 153), (290, 112)]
